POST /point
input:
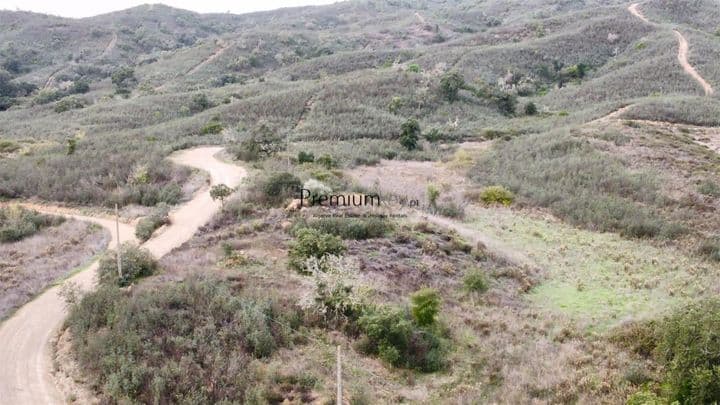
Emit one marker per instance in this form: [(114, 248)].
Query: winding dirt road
[(25, 353), (683, 50)]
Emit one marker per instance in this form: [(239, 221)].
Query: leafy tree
[(506, 103), (410, 134), (220, 192), (450, 85), (124, 79), (425, 306)]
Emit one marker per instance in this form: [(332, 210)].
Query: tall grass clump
[(579, 183)]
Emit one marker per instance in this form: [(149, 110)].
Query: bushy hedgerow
[(349, 228), (689, 347), (163, 345), (17, 223), (313, 243), (135, 262), (147, 225)]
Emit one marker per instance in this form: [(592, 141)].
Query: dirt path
[(634, 10), (683, 50), (222, 46), (25, 353)]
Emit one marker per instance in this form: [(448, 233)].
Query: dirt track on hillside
[(25, 353), (683, 49)]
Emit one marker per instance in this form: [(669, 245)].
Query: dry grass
[(32, 264)]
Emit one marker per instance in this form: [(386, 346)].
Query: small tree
[(425, 306), (199, 103), (410, 134), (220, 192), (450, 85)]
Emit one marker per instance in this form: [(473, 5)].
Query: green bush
[(349, 228), (391, 334), (711, 249), (531, 108), (327, 161), (278, 187), (212, 127), (313, 243), (690, 351), (165, 344), (709, 188), (413, 67), (305, 157), (475, 281), (496, 195), (136, 263), (450, 86), (425, 305), (17, 223), (434, 135), (147, 225), (410, 134), (8, 146), (69, 103), (199, 102)]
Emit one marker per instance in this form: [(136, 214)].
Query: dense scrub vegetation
[(348, 228), (578, 182), (188, 342), (17, 223)]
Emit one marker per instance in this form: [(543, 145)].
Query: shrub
[(146, 226), (496, 195), (475, 281), (305, 157), (413, 67), (220, 192), (710, 248), (450, 209), (410, 131), (690, 350), (136, 263), (212, 127), (432, 195), (434, 135), (425, 306), (530, 108), (163, 345), (69, 103), (506, 103), (17, 223), (450, 85), (327, 161), (79, 87), (278, 187), (349, 228), (709, 188), (391, 334), (263, 143), (313, 243), (199, 102), (8, 146)]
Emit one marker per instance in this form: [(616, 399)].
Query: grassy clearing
[(599, 279)]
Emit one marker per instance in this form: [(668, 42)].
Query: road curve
[(683, 49), (25, 352), (634, 10)]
